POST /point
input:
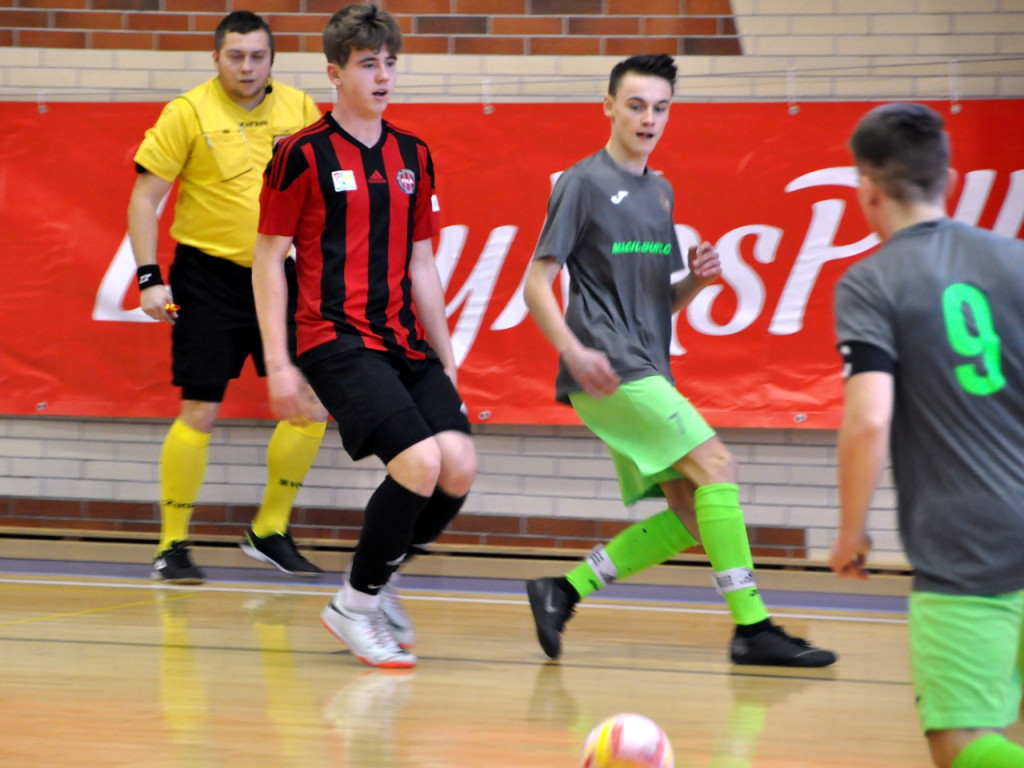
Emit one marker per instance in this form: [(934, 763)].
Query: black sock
[(570, 591), (435, 517), (749, 630), (388, 526)]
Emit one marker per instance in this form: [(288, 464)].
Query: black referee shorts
[(385, 403), (216, 329)]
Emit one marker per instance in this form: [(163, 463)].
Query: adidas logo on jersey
[(376, 178)]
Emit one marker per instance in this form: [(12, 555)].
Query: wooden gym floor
[(104, 668)]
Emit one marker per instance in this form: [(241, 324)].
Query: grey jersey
[(614, 232), (946, 302)]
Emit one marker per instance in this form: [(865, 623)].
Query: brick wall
[(538, 486), (478, 27)]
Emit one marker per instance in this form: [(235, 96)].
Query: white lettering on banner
[(475, 294), (818, 248)]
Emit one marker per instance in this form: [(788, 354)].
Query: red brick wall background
[(509, 27)]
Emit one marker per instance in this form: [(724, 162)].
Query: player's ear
[(607, 104)]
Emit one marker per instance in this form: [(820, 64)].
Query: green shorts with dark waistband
[(648, 426), (966, 654)]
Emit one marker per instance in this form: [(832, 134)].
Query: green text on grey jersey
[(641, 246)]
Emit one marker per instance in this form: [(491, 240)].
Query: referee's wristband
[(148, 275)]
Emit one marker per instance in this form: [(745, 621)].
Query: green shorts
[(648, 426), (966, 654)]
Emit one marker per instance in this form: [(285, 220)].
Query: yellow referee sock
[(183, 460), (290, 454)]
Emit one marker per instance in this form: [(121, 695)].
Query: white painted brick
[(795, 495), (877, 45), (118, 470), (62, 449), (911, 24), (61, 488), (155, 60), (494, 504), (794, 7), (595, 508), (756, 26), (597, 468), (559, 487), (985, 23), (1010, 44), (794, 454), (764, 473), (31, 58), (956, 45), (46, 467), (21, 448), (44, 428), (30, 487), (959, 7), (810, 517), (812, 475), (520, 465), (315, 497), (799, 46), (832, 24), (350, 498), (875, 6), (1010, 87), (247, 475), (760, 514), (508, 484), (136, 491)]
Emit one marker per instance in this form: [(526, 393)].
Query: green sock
[(724, 535), (992, 750), (634, 549)]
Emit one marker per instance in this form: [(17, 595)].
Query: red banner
[(770, 186)]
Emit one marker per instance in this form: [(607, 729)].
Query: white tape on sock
[(602, 565), (733, 579)]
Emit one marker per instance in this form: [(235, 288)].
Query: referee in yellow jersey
[(216, 141)]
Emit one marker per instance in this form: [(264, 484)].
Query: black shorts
[(384, 403), (216, 329)]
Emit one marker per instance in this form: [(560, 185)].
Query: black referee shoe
[(280, 551), (174, 565)]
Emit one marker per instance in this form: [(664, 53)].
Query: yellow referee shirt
[(218, 151)]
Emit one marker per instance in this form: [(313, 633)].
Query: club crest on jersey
[(406, 181), (344, 181)]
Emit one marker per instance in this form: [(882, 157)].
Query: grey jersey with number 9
[(946, 301), (614, 232)]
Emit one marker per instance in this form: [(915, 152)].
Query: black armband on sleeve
[(861, 357), (140, 169)]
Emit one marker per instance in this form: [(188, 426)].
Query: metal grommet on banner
[(800, 418)]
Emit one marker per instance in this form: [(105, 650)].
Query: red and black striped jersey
[(353, 212)]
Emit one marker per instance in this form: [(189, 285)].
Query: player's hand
[(849, 555), (590, 367), (704, 263), (291, 397), (156, 302)]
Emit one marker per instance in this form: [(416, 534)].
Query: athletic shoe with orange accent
[(367, 635)]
